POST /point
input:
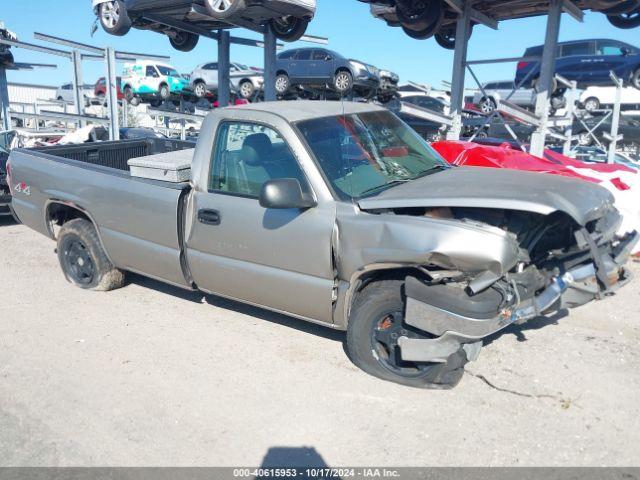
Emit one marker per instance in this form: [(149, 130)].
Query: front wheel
[(487, 105), (591, 104), (200, 89), (83, 260), (224, 9), (635, 79), (114, 18), (164, 91), (343, 82), (375, 325), (289, 29)]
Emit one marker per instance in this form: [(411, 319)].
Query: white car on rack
[(65, 93), (597, 98), (244, 80)]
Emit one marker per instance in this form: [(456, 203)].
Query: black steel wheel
[(289, 28), (184, 41), (626, 21), (375, 325), (83, 260)]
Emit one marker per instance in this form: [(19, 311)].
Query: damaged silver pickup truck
[(335, 213)]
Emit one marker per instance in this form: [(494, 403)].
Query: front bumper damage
[(465, 328)]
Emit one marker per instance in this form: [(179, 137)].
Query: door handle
[(209, 217)]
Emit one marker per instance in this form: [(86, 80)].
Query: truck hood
[(500, 189)]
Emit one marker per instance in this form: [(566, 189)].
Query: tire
[(114, 18), (447, 39), (635, 79), (619, 8), (625, 21), (487, 105), (343, 82), (84, 261), (184, 41), (135, 101), (420, 17), (200, 89), (289, 29), (423, 31), (164, 91), (377, 304), (224, 9), (246, 89), (283, 84), (591, 104)]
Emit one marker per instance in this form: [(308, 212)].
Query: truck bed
[(115, 154), (139, 220)]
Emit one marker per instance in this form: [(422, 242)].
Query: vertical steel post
[(547, 74), (112, 94), (4, 100), (78, 85), (615, 121), (270, 51), (125, 113), (224, 66), (572, 98), (459, 69)]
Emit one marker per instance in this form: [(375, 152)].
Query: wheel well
[(60, 213), (199, 80), (282, 72), (343, 69)]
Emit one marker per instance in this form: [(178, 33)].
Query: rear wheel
[(114, 18), (184, 41), (289, 28), (224, 9), (246, 89), (376, 323), (83, 260)]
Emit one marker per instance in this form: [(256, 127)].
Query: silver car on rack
[(246, 81)]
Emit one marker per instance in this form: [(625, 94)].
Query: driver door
[(280, 259)]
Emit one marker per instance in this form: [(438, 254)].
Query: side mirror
[(328, 58), (625, 51), (284, 193)]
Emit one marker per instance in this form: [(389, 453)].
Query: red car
[(504, 156), (100, 89)]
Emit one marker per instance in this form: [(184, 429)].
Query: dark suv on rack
[(321, 67), (588, 62)]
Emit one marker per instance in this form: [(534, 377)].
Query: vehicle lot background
[(152, 375)]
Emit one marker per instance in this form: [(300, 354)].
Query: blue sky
[(347, 23)]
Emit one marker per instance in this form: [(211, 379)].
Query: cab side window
[(151, 72), (246, 156)]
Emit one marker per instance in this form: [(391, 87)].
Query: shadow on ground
[(239, 307)]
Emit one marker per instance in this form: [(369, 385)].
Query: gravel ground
[(152, 375)]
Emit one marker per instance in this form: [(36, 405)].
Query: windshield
[(168, 72), (364, 154)]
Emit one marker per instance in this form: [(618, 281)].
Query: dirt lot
[(151, 375)]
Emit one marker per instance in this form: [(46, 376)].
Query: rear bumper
[(451, 330)]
